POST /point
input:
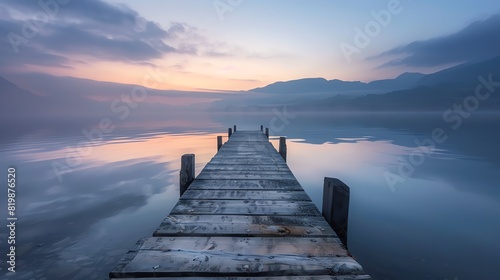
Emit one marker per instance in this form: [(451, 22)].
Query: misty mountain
[(15, 100), (54, 97), (321, 85), (19, 103), (463, 75), (434, 92), (69, 87), (11, 93), (66, 98)]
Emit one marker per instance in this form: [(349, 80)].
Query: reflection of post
[(219, 142), (187, 172), (267, 132), (234, 128), (336, 206), (262, 128), (283, 147), (229, 132)]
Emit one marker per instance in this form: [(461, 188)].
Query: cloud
[(480, 40), (30, 56), (95, 30), (92, 28), (72, 39)]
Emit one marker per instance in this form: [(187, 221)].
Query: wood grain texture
[(249, 184), (246, 207), (310, 277), (246, 194), (231, 256), (240, 225)]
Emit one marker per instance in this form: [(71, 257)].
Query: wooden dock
[(244, 217)]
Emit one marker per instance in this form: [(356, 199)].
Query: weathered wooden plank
[(246, 194), (258, 147), (311, 246), (235, 171), (249, 145), (242, 133), (310, 277), (247, 161), (235, 156), (284, 184), (246, 155), (129, 256), (247, 148), (249, 139), (243, 154), (243, 142), (214, 263), (207, 263), (246, 167), (237, 225), (247, 172), (246, 207), (240, 153), (242, 176)]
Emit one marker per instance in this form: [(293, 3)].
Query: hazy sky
[(242, 44)]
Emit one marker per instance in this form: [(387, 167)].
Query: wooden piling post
[(219, 142), (262, 128), (234, 128), (229, 132), (283, 147), (267, 132), (186, 173), (336, 206)]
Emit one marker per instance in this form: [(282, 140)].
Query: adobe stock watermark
[(122, 108), (32, 26), (280, 119), (373, 28), (225, 6), (454, 117)]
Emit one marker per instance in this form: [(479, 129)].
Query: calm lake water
[(416, 212)]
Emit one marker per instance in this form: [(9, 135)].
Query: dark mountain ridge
[(314, 85)]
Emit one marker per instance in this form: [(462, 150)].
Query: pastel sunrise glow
[(234, 45)]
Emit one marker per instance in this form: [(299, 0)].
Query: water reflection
[(118, 191), (426, 227)]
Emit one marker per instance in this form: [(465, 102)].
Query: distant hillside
[(463, 75), (434, 92), (64, 86), (69, 97), (16, 101), (315, 85)]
